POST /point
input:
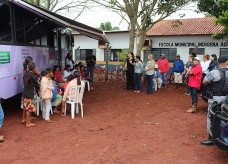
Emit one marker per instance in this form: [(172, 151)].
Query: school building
[(190, 35)]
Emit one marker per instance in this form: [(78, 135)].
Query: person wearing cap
[(163, 66), (195, 75), (218, 81), (178, 69), (157, 78)]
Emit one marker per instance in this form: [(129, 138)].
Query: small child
[(69, 78), (86, 73), (46, 94), (28, 101)]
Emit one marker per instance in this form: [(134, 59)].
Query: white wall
[(184, 51), (121, 41), (117, 41)]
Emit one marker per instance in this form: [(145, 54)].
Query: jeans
[(193, 91), (138, 81), (46, 109), (1, 115), (91, 71), (188, 88), (163, 77), (149, 79), (130, 79)]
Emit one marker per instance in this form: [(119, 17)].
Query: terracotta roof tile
[(194, 26)]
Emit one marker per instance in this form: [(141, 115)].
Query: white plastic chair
[(77, 98), (39, 103), (88, 85)]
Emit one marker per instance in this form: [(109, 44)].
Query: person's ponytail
[(27, 78)]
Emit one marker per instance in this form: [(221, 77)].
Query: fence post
[(106, 63)]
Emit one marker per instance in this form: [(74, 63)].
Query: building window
[(83, 53), (170, 53), (198, 51), (223, 52), (5, 28), (113, 55)]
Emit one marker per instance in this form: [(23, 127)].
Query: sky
[(95, 16)]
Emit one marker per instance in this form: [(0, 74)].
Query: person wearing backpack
[(218, 79)]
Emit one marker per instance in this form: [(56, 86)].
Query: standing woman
[(205, 65), (150, 73), (129, 66), (138, 74), (28, 101), (188, 67), (69, 60), (214, 63)]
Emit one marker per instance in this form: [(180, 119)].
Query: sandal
[(2, 139)]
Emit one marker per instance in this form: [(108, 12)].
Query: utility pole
[(106, 63)]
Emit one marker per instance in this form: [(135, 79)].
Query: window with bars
[(170, 53), (199, 51), (83, 53), (223, 52)]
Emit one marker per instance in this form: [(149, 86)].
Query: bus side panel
[(11, 71)]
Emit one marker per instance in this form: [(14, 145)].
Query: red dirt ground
[(114, 129)]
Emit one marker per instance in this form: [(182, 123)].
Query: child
[(157, 78), (28, 102), (82, 74), (77, 68), (69, 78), (86, 73), (46, 94)]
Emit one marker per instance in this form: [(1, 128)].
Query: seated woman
[(66, 72), (58, 74), (73, 83), (69, 78)]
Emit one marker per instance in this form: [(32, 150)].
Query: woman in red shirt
[(194, 83), (58, 74)]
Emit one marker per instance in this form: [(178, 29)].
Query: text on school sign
[(192, 44), (4, 57)]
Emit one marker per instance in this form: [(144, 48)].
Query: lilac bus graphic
[(11, 65)]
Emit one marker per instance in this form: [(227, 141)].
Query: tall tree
[(107, 26), (62, 6), (219, 9), (141, 15)]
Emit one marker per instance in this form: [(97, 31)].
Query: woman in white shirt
[(69, 60), (67, 72), (205, 65)]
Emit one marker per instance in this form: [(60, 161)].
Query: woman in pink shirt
[(163, 66), (194, 83), (73, 83)]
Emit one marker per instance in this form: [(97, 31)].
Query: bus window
[(19, 20), (5, 28)]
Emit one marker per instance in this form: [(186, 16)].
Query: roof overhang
[(63, 21)]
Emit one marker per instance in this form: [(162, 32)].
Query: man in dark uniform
[(91, 61), (218, 79)]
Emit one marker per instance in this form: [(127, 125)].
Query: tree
[(60, 6), (141, 15), (219, 9), (107, 26)]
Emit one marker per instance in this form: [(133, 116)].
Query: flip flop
[(23, 122), (31, 125), (2, 139)]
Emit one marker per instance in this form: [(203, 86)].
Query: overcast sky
[(95, 16)]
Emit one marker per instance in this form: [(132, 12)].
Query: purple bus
[(27, 30)]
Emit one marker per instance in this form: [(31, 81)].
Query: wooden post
[(75, 54), (106, 63)]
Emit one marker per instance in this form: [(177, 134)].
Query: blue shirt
[(158, 74), (178, 66), (138, 67), (189, 64), (54, 92)]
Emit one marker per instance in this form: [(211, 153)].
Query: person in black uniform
[(91, 61), (129, 66)]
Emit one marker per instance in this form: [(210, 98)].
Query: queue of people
[(155, 73)]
